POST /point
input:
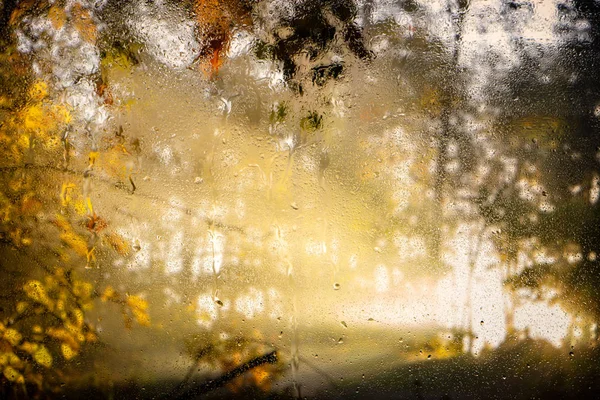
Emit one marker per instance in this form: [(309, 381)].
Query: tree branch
[(269, 358)]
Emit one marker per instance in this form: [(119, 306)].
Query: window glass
[(309, 198)]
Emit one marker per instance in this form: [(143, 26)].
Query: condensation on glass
[(310, 198)]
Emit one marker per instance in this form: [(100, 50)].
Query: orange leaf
[(57, 17), (118, 243), (84, 24)]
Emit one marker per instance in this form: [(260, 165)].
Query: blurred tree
[(48, 234), (309, 31), (567, 167), (217, 21)]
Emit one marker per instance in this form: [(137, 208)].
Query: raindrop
[(336, 286), (481, 323), (572, 354), (344, 324), (340, 341)]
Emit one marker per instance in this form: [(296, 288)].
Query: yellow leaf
[(12, 374), (78, 315), (261, 376), (93, 157), (22, 306), (108, 294), (33, 117), (138, 309), (36, 291), (5, 102), (30, 205), (76, 242), (38, 90), (62, 223), (42, 356), (141, 317), (119, 243), (80, 207), (12, 336), (83, 289), (87, 305), (62, 113), (67, 351), (51, 283), (65, 193), (75, 331), (64, 336), (24, 142), (90, 337), (136, 302), (29, 347), (14, 360), (88, 202)]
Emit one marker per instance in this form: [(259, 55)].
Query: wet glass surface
[(290, 199)]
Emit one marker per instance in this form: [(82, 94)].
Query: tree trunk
[(446, 133)]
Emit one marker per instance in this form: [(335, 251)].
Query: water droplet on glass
[(336, 286)]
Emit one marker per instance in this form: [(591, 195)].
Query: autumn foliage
[(48, 228), (217, 20)]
